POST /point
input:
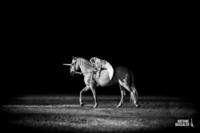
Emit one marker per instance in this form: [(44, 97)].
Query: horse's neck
[(82, 65), (83, 69)]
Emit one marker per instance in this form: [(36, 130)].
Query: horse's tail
[(132, 97), (131, 79)]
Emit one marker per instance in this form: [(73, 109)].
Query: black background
[(158, 46), (157, 42)]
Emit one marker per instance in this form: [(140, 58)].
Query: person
[(96, 62), (100, 65)]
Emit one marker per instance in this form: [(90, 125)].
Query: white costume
[(102, 64)]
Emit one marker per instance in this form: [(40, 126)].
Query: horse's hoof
[(137, 105), (95, 106), (118, 106), (81, 104)]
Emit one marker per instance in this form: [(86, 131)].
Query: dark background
[(157, 46)]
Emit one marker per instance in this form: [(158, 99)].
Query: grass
[(63, 113)]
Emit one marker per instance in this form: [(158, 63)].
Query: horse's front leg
[(92, 87), (83, 90), (94, 96)]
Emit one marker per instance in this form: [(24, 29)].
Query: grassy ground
[(63, 113)]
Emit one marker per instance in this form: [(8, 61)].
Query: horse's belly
[(104, 78)]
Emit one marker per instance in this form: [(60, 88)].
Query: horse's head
[(74, 66)]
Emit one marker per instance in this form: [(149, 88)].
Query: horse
[(122, 76)]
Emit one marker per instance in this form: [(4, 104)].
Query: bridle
[(74, 70)]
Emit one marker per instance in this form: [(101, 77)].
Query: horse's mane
[(84, 62)]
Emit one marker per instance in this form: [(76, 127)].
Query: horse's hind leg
[(122, 96), (83, 90), (132, 90), (135, 93)]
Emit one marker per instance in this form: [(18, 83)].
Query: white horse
[(122, 76)]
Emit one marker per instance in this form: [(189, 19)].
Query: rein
[(81, 73), (78, 73)]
